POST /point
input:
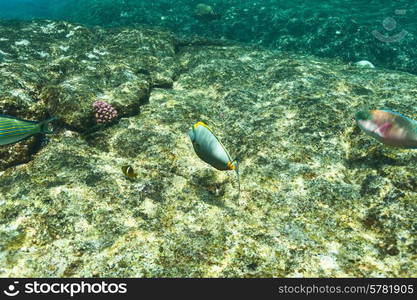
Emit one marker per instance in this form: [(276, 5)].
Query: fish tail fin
[(44, 125), (238, 176)]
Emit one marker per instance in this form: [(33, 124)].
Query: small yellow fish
[(129, 172)]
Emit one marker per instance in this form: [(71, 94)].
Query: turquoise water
[(344, 29)]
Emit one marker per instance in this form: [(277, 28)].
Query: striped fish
[(13, 130)]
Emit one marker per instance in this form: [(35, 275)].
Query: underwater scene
[(208, 138)]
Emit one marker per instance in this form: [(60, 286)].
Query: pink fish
[(388, 127)]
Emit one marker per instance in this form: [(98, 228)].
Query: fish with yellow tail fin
[(388, 127), (209, 149), (129, 172), (13, 130)]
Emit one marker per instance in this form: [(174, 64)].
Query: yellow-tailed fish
[(13, 130), (209, 149), (129, 172), (388, 127)]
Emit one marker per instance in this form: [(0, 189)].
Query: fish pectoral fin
[(382, 130)]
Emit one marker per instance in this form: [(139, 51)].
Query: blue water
[(258, 13), (380, 31)]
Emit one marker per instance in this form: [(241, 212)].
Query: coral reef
[(105, 113), (318, 198)]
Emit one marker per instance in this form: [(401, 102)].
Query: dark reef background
[(331, 28)]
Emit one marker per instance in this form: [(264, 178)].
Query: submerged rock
[(364, 64), (318, 198), (60, 69)]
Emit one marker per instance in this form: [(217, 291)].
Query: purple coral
[(105, 113)]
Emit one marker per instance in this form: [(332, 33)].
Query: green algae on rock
[(60, 69), (318, 198)]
